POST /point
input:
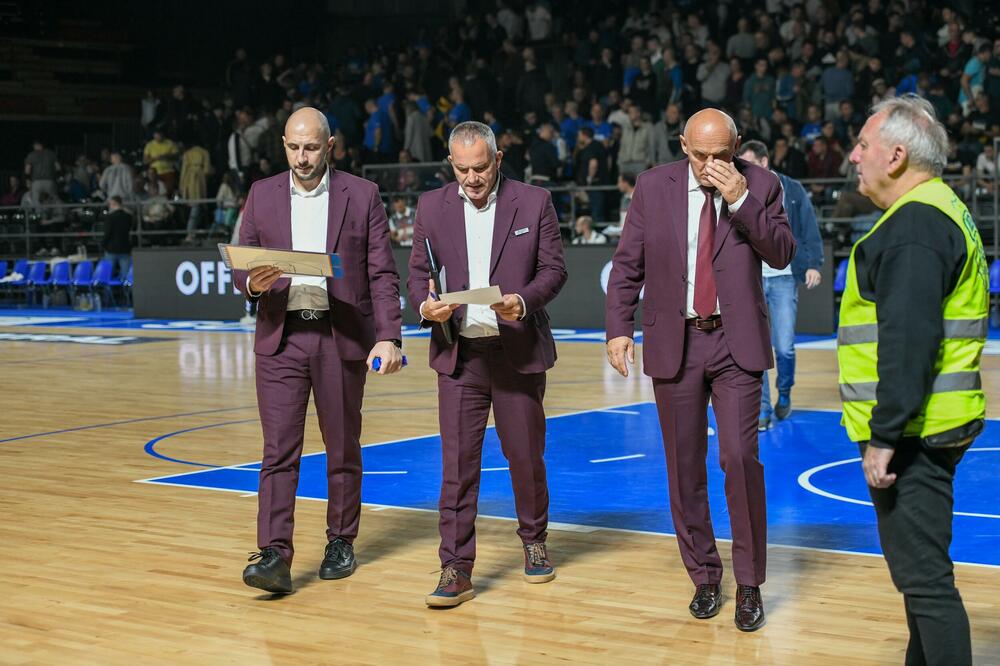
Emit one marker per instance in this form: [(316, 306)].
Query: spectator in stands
[(160, 154), (608, 74), (539, 21), (626, 186), (585, 234), (759, 89), (713, 75), (238, 148), (788, 159), (196, 167), (665, 136), (417, 133), (974, 77), (741, 45), (814, 124), (155, 208), (226, 206), (239, 79), (117, 179), (601, 127), (84, 179), (637, 138), (544, 157), (42, 168), (643, 89), (149, 110), (591, 168), (823, 162), (117, 242), (983, 118), (181, 113), (986, 171), (837, 84), (266, 92), (401, 222), (15, 192)]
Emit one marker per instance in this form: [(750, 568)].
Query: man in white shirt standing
[(316, 335), (486, 230)]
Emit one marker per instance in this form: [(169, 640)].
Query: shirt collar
[(489, 200), (324, 185)]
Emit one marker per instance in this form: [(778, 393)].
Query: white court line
[(629, 457), (806, 482), (496, 469), (620, 411)]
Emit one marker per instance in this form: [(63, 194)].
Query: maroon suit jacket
[(653, 252), (529, 263), (364, 303)]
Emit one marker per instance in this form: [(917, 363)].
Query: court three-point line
[(604, 460)]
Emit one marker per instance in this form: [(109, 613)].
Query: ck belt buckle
[(309, 315)]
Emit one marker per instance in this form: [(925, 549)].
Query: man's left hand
[(392, 357), (876, 467), (510, 308), (724, 176), (813, 278)]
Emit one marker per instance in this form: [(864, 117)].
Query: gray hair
[(910, 121), (469, 132)]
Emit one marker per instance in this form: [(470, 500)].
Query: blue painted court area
[(606, 469)]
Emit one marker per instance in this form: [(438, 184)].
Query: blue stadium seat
[(995, 277), (83, 275), (103, 280), (3, 268), (840, 280), (21, 266), (128, 281), (60, 275), (38, 281)]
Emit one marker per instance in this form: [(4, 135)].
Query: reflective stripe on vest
[(953, 329)]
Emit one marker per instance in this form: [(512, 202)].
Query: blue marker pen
[(377, 362)]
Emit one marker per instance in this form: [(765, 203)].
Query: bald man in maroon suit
[(695, 235), (316, 335), (485, 230)]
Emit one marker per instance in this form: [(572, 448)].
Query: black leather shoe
[(338, 561), (706, 602), (749, 608), (268, 572)]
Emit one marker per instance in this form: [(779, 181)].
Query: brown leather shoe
[(454, 588), (537, 566), (707, 601), (749, 608)]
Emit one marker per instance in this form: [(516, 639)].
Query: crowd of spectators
[(582, 93)]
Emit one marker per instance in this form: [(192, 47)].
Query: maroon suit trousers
[(307, 361), (483, 377), (708, 371)]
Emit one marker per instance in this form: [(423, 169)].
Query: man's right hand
[(434, 310), (263, 278), (621, 354)]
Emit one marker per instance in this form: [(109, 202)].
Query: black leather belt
[(308, 315), (710, 324)]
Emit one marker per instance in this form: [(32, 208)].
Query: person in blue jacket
[(781, 286)]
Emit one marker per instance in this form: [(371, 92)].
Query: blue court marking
[(606, 470)]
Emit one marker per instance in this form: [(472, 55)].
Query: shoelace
[(448, 576), (746, 598), (262, 555), (536, 554), (336, 549)]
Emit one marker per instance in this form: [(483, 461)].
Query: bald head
[(308, 119), (307, 145), (709, 135)]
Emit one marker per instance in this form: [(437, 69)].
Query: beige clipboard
[(291, 262)]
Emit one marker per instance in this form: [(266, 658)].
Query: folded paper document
[(484, 296)]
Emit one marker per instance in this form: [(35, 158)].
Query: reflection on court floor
[(606, 470)]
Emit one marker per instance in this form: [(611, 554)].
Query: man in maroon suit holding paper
[(696, 233), (486, 230), (318, 335)]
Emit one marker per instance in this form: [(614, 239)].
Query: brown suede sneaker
[(537, 567), (454, 588)]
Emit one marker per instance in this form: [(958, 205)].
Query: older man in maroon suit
[(486, 230), (316, 335), (695, 235)]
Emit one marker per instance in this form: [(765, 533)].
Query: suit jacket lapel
[(678, 200), (337, 206), (502, 223), (453, 227), (284, 218)]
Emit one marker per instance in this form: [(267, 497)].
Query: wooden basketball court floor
[(103, 570)]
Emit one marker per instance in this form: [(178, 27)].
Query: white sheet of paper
[(484, 296)]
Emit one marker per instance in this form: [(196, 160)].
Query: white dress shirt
[(696, 200), (480, 321), (310, 211)]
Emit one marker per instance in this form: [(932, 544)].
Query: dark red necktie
[(705, 296)]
